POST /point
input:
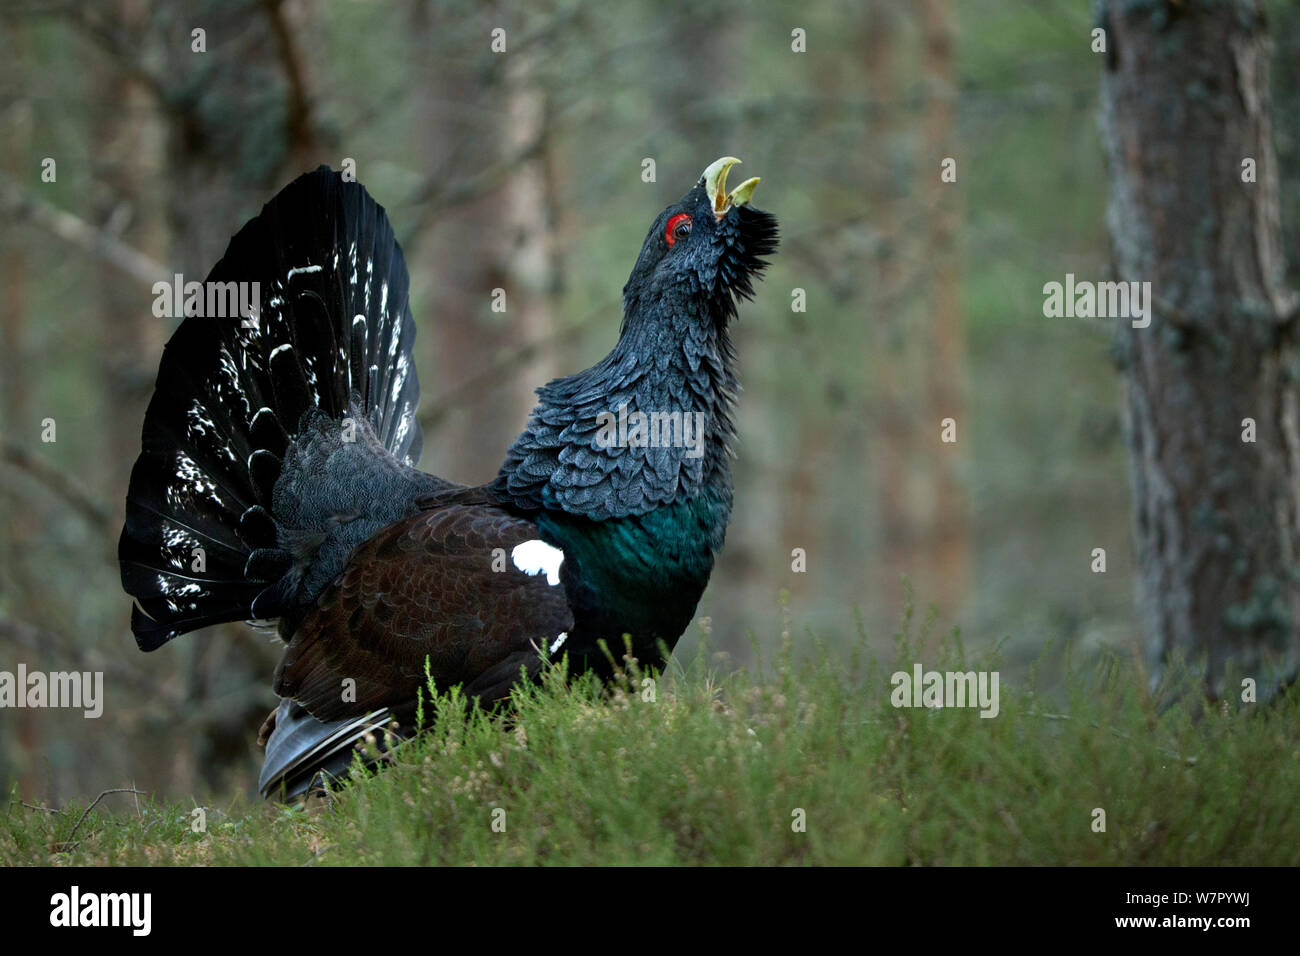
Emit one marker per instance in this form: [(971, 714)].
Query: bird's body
[(277, 477)]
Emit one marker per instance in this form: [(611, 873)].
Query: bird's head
[(703, 251)]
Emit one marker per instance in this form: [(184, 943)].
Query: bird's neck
[(677, 365), (648, 426), (640, 521)]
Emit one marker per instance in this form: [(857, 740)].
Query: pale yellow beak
[(714, 180)]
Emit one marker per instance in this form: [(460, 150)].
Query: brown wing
[(425, 586)]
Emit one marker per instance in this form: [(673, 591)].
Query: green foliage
[(692, 768)]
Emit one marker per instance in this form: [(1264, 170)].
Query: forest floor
[(807, 762)]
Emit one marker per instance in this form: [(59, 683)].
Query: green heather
[(713, 770)]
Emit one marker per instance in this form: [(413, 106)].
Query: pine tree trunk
[(949, 532), (893, 450), (20, 422), (1185, 102), (461, 259), (529, 255)]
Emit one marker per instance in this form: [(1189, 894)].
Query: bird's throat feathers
[(647, 426)]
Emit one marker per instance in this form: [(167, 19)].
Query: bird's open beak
[(714, 181)]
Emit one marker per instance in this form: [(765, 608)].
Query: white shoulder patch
[(559, 641), (536, 556)]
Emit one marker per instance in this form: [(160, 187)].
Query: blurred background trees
[(522, 171)]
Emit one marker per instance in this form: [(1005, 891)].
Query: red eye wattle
[(679, 227)]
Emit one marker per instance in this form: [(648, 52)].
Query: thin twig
[(1118, 733), (56, 481), (435, 196), (109, 38), (92, 806), (92, 239), (450, 400)]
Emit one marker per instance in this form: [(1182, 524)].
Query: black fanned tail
[(202, 543)]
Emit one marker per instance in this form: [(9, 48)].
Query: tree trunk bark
[(893, 451), (528, 251), (21, 526), (463, 259), (1185, 102), (948, 541)]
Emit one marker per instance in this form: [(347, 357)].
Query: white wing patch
[(536, 556), (559, 641)]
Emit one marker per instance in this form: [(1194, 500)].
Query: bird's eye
[(679, 227)]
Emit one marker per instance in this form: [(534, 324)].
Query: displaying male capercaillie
[(281, 448)]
